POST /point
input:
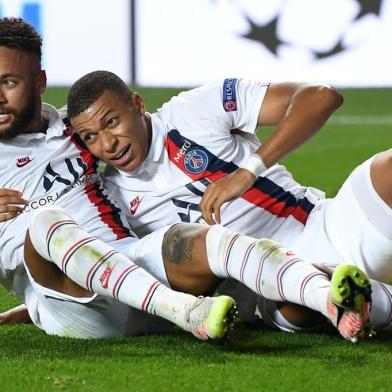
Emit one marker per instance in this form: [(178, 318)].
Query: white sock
[(267, 268), (381, 311), (96, 266)]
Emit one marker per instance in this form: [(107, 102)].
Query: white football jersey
[(52, 168), (193, 144)]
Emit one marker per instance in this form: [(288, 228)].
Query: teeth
[(122, 153)]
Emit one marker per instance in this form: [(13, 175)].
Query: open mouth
[(123, 158), (4, 117), (121, 153)]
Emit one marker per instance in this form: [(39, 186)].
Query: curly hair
[(90, 87), (15, 33)]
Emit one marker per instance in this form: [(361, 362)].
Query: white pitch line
[(360, 120)]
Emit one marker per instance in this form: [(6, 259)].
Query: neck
[(38, 124)]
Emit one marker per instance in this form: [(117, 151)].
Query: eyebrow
[(9, 74), (101, 120), (82, 131)]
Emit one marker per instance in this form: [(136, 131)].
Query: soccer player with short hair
[(52, 167), (41, 160), (167, 163)]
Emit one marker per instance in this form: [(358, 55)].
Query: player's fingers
[(9, 192), (204, 203), (207, 215), (207, 212), (9, 215), (10, 208), (216, 208), (12, 199), (208, 192), (217, 215)]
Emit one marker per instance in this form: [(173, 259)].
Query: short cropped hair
[(15, 33), (90, 87)]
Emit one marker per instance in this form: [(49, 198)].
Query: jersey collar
[(56, 126)]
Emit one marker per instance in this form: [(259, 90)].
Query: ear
[(42, 81), (138, 101)]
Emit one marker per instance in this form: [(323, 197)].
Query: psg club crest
[(196, 161)]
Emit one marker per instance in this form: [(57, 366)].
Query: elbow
[(330, 97)]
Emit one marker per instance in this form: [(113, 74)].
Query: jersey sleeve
[(217, 107), (250, 96)]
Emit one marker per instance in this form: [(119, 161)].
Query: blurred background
[(162, 46), (183, 43)]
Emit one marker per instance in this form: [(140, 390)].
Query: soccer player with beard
[(167, 163), (54, 168), (40, 160)]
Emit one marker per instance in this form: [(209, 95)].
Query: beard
[(21, 120)]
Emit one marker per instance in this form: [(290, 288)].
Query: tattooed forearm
[(178, 243)]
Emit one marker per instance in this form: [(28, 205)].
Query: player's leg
[(285, 316), (92, 317), (358, 221), (191, 253), (97, 267), (380, 173), (49, 275), (381, 310), (291, 317)]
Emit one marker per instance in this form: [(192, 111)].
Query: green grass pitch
[(254, 360)]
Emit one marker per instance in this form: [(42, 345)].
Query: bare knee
[(381, 175), (185, 259), (47, 274)]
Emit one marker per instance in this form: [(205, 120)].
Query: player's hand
[(222, 191), (11, 204)]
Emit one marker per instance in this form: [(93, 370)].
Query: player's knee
[(43, 218), (380, 172), (184, 243), (41, 223), (331, 96), (382, 162), (185, 259)]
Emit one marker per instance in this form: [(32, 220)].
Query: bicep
[(276, 102)]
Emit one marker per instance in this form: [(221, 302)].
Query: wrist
[(255, 165)]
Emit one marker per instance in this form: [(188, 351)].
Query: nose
[(109, 141), (2, 96)]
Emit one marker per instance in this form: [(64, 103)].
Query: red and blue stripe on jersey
[(264, 193), (108, 212)]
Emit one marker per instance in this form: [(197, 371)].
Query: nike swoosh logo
[(135, 206), (104, 279), (21, 164)]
